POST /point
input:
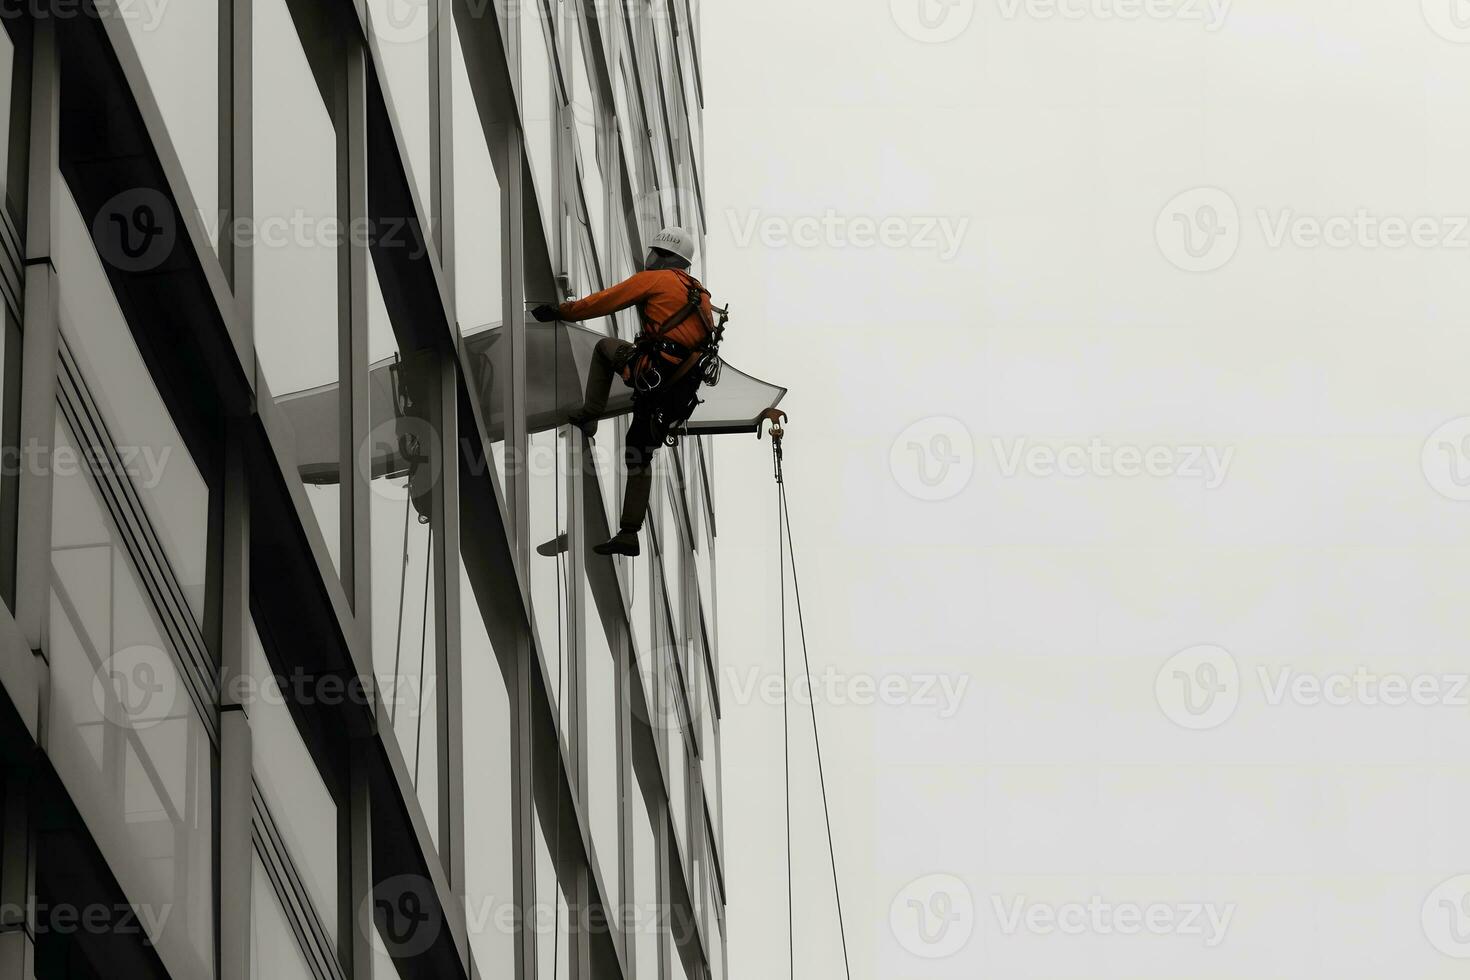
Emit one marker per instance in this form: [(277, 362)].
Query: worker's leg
[(641, 445), (607, 360)]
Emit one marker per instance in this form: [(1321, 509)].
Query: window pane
[(710, 759), (678, 761), (402, 389), (162, 470), (538, 109), (180, 57), (584, 111), (7, 88), (550, 570), (402, 29), (489, 816), (647, 905), (274, 952), (292, 785), (123, 732), (552, 920), (296, 234), (477, 281), (602, 748)]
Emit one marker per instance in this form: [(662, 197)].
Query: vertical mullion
[(41, 338), (448, 668), (355, 877), (355, 265), (236, 774), (17, 879)]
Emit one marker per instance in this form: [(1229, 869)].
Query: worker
[(663, 367)]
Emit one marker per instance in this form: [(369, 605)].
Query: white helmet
[(676, 240)]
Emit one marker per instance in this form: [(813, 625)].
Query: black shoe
[(556, 546), (587, 423), (625, 543)]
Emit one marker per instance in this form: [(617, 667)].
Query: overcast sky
[(1128, 348)]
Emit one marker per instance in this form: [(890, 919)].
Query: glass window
[(180, 57), (163, 472), (648, 915), (304, 810), (296, 243), (489, 741), (678, 762), (477, 284), (124, 733), (602, 747), (403, 29), (8, 98), (709, 749), (589, 139), (538, 107), (550, 570), (274, 952), (402, 396), (692, 103), (552, 919)]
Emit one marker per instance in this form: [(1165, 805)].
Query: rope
[(783, 521), (786, 753)]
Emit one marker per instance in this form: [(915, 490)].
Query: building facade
[(306, 668)]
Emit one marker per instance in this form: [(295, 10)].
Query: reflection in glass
[(274, 952), (288, 778), (162, 470), (405, 638), (477, 281), (124, 734), (538, 108), (678, 773), (180, 57), (489, 823), (602, 747), (550, 568), (7, 87), (589, 124), (552, 919), (402, 29), (297, 230), (647, 907)]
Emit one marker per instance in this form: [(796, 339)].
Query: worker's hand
[(546, 314)]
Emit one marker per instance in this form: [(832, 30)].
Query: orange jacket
[(658, 294)]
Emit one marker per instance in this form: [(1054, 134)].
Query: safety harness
[(675, 393)]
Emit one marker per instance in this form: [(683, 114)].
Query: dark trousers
[(643, 438)]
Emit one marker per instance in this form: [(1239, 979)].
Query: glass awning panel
[(558, 358)]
